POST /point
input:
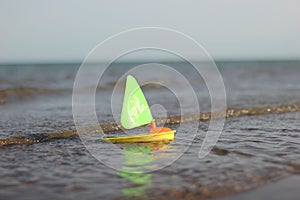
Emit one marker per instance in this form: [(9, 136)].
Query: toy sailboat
[(136, 113)]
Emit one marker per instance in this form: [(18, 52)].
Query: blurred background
[(256, 47)]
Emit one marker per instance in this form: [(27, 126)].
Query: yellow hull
[(146, 137)]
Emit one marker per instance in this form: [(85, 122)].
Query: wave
[(20, 93), (172, 120)]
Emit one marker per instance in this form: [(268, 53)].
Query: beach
[(257, 153)]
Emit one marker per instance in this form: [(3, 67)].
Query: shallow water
[(259, 144)]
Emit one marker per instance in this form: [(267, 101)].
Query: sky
[(45, 31)]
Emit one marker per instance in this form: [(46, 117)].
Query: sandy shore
[(287, 188)]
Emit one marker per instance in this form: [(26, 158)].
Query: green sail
[(135, 111)]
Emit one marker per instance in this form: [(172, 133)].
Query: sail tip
[(130, 77)]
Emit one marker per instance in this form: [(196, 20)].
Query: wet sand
[(287, 188)]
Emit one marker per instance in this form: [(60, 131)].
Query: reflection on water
[(137, 158)]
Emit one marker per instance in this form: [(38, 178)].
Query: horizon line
[(142, 61)]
